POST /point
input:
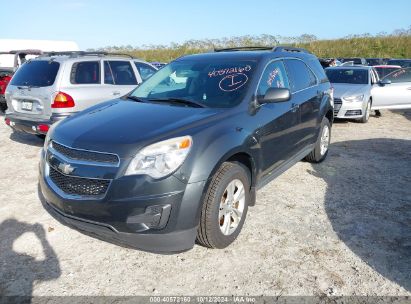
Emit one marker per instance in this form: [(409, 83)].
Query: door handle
[(294, 107), (116, 93)]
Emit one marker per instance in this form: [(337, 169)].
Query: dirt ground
[(342, 227)]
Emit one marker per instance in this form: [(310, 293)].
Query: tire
[(218, 227), (3, 107), (319, 153), (366, 115)]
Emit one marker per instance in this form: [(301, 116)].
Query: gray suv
[(56, 85)]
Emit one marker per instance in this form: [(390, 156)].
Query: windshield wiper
[(135, 98), (188, 102)]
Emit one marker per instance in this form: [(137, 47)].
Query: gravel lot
[(339, 228)]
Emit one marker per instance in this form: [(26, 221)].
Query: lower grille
[(78, 186)]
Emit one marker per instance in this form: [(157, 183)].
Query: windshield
[(216, 84), (402, 63), (37, 73), (382, 72), (353, 76)]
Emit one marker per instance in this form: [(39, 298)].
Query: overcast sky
[(98, 23)]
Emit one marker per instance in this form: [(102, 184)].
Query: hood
[(118, 125), (347, 89)]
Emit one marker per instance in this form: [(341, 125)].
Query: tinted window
[(300, 75), (121, 73), (108, 74), (382, 72), (36, 73), (402, 63), (214, 83), (354, 76), (85, 72), (274, 76), (145, 70), (318, 69), (401, 75)]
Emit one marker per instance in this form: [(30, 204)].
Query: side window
[(144, 69), (301, 77), (274, 76), (85, 72), (401, 75), (108, 74), (121, 72)]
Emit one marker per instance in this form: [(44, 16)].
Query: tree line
[(382, 45)]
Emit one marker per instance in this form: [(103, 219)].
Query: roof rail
[(84, 53), (281, 48), (264, 48), (245, 48)]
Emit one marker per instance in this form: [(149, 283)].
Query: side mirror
[(384, 82), (273, 95)]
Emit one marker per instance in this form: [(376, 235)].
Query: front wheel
[(320, 151), (225, 206), (366, 115)]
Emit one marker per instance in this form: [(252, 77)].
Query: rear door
[(307, 98), (397, 94), (82, 81)]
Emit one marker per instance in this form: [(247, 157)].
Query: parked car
[(352, 91), (404, 63), (9, 63), (393, 91), (384, 70), (159, 65), (355, 60), (168, 164), (375, 61), (57, 85)]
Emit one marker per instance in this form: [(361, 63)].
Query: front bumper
[(348, 110), (128, 210), (31, 124)]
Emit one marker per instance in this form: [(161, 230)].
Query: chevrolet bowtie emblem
[(66, 168)]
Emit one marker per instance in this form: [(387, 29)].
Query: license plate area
[(27, 105)]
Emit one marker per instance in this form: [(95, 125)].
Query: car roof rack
[(282, 48), (74, 54), (244, 48), (264, 48)]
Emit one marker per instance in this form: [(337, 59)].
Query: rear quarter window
[(37, 73), (316, 66), (85, 72)]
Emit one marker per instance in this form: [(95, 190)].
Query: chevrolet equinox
[(180, 158)]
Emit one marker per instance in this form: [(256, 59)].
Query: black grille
[(85, 155), (77, 185)]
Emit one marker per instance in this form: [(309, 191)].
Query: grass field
[(395, 45)]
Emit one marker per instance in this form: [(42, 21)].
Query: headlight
[(48, 135), (162, 158), (354, 98)]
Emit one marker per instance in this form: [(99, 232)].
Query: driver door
[(394, 95)]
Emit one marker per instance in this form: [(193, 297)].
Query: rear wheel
[(320, 151), (225, 206), (3, 107)]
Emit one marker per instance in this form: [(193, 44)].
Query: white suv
[(56, 85)]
